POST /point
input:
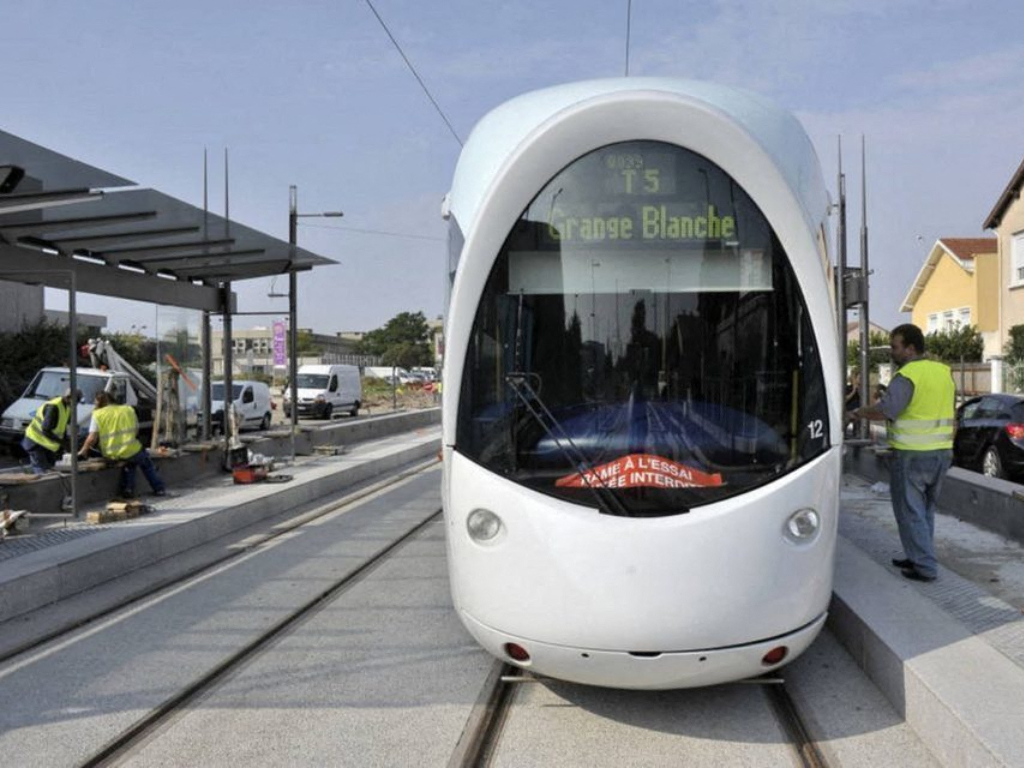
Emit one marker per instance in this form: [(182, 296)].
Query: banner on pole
[(279, 344)]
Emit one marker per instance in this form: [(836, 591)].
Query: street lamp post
[(293, 282)]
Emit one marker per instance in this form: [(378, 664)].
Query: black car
[(990, 436)]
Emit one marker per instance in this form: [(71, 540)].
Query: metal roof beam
[(198, 259), (166, 247), (104, 281), (71, 242), (21, 203), (75, 223)]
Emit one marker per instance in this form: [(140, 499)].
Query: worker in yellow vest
[(918, 406), (44, 435), (116, 429)]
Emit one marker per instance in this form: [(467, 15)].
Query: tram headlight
[(803, 525), (483, 525)]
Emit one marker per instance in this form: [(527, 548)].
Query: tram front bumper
[(643, 670)]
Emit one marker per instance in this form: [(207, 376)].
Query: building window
[(965, 317), (933, 322), (1017, 256), (948, 320)]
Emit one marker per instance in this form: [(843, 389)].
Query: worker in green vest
[(918, 407), (115, 428), (44, 435)]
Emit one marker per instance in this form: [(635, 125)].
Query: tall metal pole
[(229, 367), (865, 318), (205, 405), (73, 385), (293, 331), (842, 266)]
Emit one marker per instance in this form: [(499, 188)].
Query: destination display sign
[(640, 192)]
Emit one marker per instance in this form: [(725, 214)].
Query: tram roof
[(497, 135), (129, 243)]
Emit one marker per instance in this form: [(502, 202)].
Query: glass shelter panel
[(179, 371), (642, 345)]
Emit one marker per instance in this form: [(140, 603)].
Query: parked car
[(990, 436)]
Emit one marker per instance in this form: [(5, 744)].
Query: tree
[(875, 339), (405, 338), (306, 346), (952, 346), (24, 352), (1014, 351)]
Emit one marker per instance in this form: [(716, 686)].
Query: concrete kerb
[(960, 695), (989, 503), (40, 578), (46, 494)]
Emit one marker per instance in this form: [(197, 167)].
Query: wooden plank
[(17, 478)]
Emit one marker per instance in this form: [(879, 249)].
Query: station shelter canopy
[(59, 215)]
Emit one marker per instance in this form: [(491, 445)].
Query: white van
[(252, 404), (52, 382), (390, 373), (326, 389)]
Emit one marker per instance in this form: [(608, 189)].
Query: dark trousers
[(143, 462), (915, 480), (42, 459)]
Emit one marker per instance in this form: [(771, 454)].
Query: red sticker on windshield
[(640, 470)]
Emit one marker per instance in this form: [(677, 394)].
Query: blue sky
[(313, 93)]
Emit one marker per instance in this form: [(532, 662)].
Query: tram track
[(251, 544), (485, 726), (123, 744), (786, 711)]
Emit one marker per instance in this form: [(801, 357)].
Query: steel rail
[(300, 520), (789, 718), (486, 721), (121, 745)]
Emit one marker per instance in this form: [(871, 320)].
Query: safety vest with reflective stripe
[(118, 429), (34, 431), (926, 424)]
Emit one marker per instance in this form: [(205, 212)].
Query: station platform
[(65, 555), (948, 655)]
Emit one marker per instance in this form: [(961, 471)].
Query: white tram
[(642, 419)]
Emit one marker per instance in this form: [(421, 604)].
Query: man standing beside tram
[(919, 409)]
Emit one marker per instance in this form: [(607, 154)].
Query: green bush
[(962, 343), (24, 352)]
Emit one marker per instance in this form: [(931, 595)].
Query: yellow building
[(958, 285), (1007, 221)]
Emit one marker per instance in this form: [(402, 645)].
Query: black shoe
[(915, 575), (903, 563)]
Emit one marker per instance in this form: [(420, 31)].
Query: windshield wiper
[(607, 501)]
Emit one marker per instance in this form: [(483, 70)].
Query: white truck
[(110, 373)]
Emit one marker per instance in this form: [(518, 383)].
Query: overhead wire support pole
[(840, 271), (865, 319), (629, 18), (293, 331)]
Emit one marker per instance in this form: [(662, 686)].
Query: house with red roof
[(958, 285)]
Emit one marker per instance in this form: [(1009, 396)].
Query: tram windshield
[(642, 345)]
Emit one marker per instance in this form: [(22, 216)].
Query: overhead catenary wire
[(361, 231), (414, 73)]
